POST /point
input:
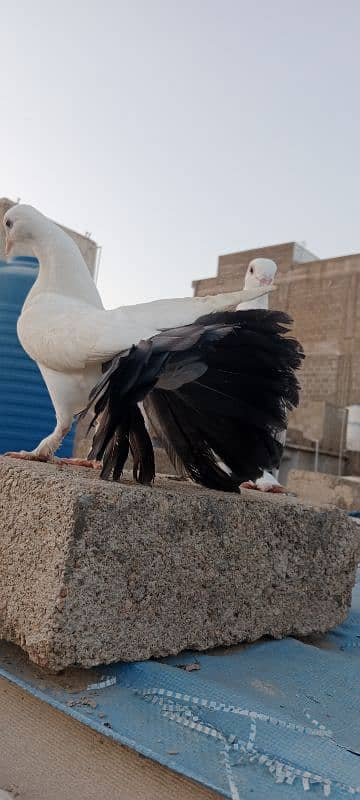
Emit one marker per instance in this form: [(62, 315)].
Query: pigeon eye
[(8, 223), (251, 270)]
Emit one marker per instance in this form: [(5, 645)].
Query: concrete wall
[(87, 246), (303, 458), (317, 420), (323, 298), (343, 492)]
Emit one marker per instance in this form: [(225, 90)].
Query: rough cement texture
[(93, 572)]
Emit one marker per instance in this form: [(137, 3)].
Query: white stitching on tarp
[(353, 642), (102, 684), (212, 705), (314, 721), (252, 736), (229, 773), (283, 772), (183, 715)]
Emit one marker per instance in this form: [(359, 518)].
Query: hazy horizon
[(174, 134)]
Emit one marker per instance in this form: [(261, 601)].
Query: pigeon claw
[(25, 456), (80, 462), (273, 488), (72, 462)]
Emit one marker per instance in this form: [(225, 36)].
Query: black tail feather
[(216, 393), (141, 449), (115, 455)]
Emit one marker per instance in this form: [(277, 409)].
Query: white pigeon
[(261, 272), (159, 354)]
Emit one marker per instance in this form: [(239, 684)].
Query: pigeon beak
[(8, 246), (266, 281)]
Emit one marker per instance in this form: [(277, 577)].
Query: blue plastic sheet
[(271, 720)]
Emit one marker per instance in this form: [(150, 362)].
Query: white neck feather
[(62, 268), (260, 302)]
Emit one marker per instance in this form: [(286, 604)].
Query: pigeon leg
[(47, 447), (27, 456), (68, 462)]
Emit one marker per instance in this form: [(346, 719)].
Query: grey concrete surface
[(93, 572)]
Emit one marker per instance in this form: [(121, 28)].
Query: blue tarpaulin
[(270, 720)]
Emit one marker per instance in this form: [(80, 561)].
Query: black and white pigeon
[(262, 272), (215, 384)]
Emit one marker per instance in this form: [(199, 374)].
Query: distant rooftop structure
[(88, 247), (235, 264)]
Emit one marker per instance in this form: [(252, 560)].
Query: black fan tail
[(216, 393)]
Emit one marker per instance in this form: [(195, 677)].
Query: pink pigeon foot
[(273, 488), (248, 485), (72, 462), (26, 456), (80, 462)]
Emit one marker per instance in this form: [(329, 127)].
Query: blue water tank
[(26, 411)]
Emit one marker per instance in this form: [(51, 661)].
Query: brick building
[(323, 298)]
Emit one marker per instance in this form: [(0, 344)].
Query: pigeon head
[(260, 272), (22, 225)]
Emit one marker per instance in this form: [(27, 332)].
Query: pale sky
[(176, 130)]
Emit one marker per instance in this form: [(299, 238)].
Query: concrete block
[(93, 572)]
